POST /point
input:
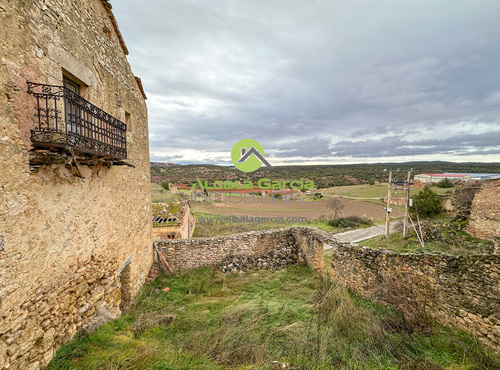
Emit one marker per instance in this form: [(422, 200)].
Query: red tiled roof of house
[(442, 174)]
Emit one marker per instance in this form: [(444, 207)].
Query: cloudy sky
[(318, 81)]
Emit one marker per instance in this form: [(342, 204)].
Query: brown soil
[(289, 208)]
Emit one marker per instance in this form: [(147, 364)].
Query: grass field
[(358, 191), (446, 238), (376, 191), (247, 322), (160, 195)]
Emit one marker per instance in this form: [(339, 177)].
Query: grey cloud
[(315, 73), (397, 146)]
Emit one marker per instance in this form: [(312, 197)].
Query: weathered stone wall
[(64, 240), (485, 213), (462, 290), (269, 249)]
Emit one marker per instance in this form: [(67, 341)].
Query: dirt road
[(353, 236)]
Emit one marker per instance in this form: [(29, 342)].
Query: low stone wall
[(462, 290), (269, 249)]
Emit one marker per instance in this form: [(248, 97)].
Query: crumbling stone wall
[(269, 249), (485, 213), (64, 240), (462, 290)]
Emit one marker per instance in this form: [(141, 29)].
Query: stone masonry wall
[(485, 213), (462, 290), (52, 313), (270, 249), (70, 248)]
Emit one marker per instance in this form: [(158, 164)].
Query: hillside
[(322, 175)]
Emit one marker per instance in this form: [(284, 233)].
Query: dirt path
[(353, 236)]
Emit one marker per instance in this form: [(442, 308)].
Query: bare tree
[(335, 205)]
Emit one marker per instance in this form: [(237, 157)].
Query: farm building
[(173, 220), (479, 176), (431, 178)]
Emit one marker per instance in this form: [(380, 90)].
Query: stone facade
[(182, 228), (485, 212), (462, 290), (269, 249), (73, 250)]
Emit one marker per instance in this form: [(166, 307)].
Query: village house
[(173, 221), (433, 178), (75, 201)]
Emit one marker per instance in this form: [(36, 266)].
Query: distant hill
[(322, 175), (162, 164)]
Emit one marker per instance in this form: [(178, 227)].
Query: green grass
[(451, 242), (205, 229), (168, 208), (376, 191), (160, 195), (245, 322), (358, 191)]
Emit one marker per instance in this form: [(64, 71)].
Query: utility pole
[(388, 206), (405, 224)]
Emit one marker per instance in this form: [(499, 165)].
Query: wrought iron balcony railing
[(65, 119)]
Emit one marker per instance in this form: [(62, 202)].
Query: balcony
[(66, 120)]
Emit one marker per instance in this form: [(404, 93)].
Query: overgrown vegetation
[(248, 322), (445, 183), (427, 203), (349, 222), (440, 235), (160, 195)]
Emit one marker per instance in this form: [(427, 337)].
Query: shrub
[(427, 203), (445, 183), (350, 221), (165, 185)]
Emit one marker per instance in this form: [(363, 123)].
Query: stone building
[(485, 212), (173, 221), (75, 203)]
